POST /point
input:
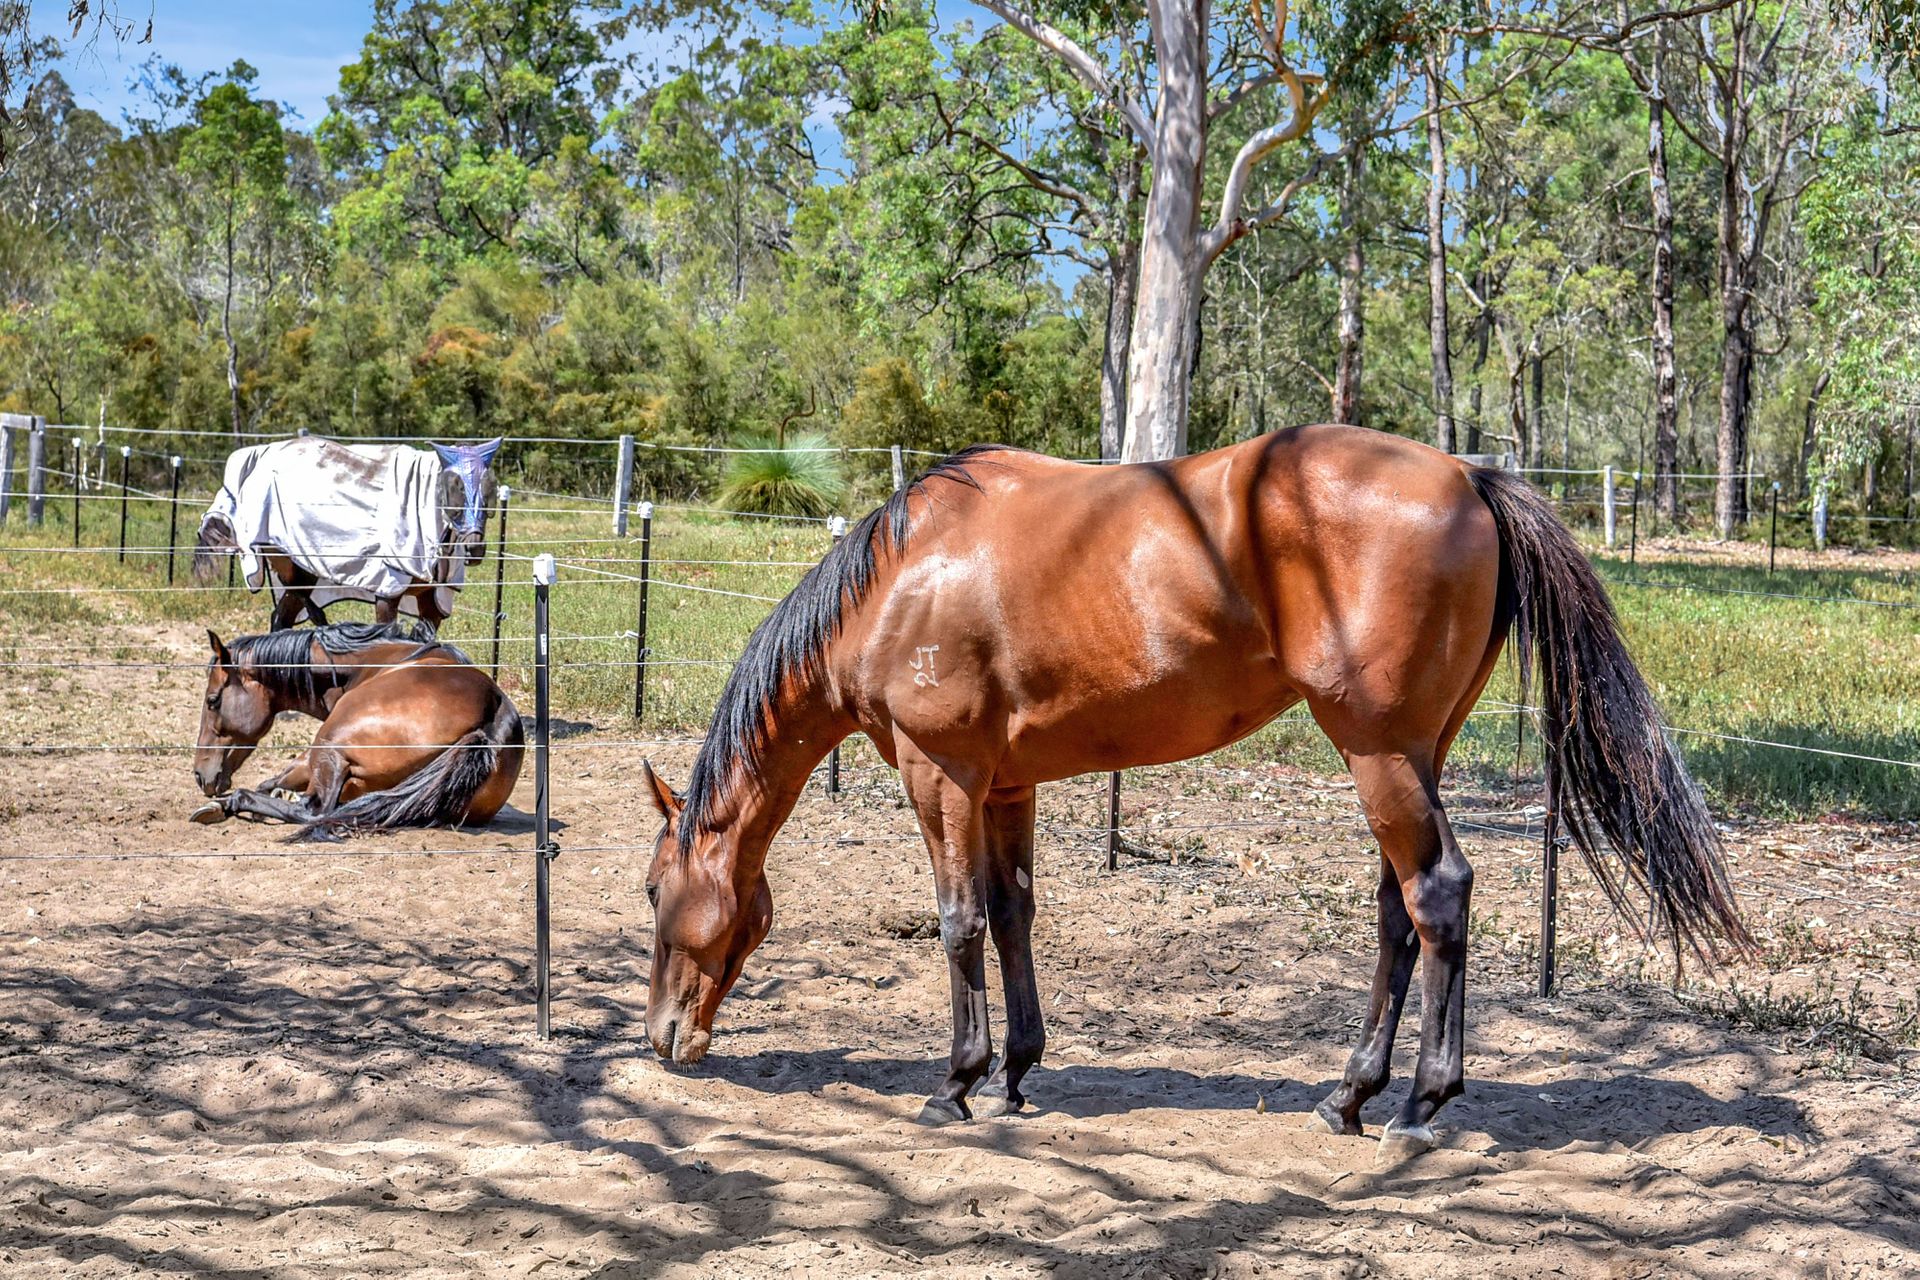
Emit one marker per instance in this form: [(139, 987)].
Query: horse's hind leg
[(954, 824), (1402, 804), (1368, 1068), (295, 779), (1010, 917)]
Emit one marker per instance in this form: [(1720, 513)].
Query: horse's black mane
[(283, 660), (795, 636)]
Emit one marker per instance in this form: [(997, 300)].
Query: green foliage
[(801, 478), (690, 222), (1863, 247)]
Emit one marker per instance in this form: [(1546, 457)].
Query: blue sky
[(299, 48)]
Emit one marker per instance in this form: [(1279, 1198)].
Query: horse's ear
[(448, 455), (660, 793), (486, 449), (220, 654)]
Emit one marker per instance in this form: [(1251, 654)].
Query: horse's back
[(1156, 611)]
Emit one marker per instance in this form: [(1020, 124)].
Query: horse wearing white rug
[(318, 521)]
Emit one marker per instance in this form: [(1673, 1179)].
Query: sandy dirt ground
[(324, 1066)]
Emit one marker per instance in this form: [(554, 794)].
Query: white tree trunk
[(1160, 367), (1437, 328), (1352, 324)]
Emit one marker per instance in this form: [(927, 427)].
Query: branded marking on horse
[(924, 673)]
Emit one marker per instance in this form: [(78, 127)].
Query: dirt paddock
[(324, 1066)]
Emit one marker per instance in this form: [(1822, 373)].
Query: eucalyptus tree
[(1862, 234), (235, 157), (1764, 80), (453, 107), (1173, 73)]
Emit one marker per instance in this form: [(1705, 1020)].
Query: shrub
[(794, 481)]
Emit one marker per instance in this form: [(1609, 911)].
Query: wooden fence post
[(9, 424), (622, 486)]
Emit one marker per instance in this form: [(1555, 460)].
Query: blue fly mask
[(467, 488)]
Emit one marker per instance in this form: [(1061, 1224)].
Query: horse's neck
[(806, 724)]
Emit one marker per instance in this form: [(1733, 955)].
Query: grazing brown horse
[(1009, 620), (412, 734)]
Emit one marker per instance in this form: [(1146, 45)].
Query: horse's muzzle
[(214, 779)]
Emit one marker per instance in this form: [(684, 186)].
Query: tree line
[(1677, 239)]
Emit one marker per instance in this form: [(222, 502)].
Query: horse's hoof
[(208, 814), (987, 1106), (1400, 1142), (939, 1111), (1323, 1119)]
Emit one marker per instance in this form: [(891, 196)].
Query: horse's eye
[(213, 702), (653, 894)]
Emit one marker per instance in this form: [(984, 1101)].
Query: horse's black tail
[(1608, 759), (436, 796), (215, 543)]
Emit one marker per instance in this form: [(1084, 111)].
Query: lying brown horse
[(412, 734), (1009, 620)]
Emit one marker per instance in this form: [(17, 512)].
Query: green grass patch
[(1729, 651)]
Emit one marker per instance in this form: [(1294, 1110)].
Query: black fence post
[(500, 579), (545, 850), (1633, 524), (126, 464), (836, 529), (78, 445), (173, 516), (1773, 526), (1550, 886), (640, 647), (1113, 821)]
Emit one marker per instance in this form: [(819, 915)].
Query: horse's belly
[(1173, 714)]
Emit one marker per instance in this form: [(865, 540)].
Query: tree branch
[(1077, 61)]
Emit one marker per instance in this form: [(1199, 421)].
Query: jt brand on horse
[(412, 734), (1009, 620), (323, 521)]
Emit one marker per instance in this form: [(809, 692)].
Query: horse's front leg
[(322, 776), (386, 610), (286, 610), (953, 823), (1010, 917)]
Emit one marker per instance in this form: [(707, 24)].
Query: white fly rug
[(363, 519)]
